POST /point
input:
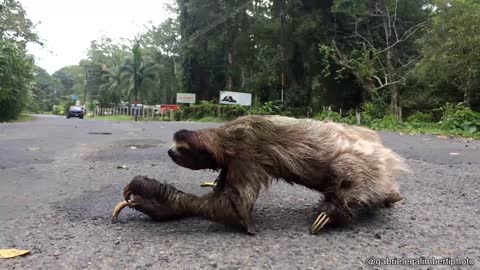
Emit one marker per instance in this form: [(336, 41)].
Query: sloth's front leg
[(332, 213), (141, 195), (162, 202)]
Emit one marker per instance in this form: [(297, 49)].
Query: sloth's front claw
[(208, 184), (319, 223), (119, 207)]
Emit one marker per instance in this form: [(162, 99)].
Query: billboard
[(185, 98), (227, 97)]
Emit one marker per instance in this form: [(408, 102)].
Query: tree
[(450, 49), (372, 40), (15, 25), (44, 92), (15, 80), (71, 78), (138, 72), (16, 67), (104, 55)]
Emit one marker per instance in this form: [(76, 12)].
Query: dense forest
[(393, 57)]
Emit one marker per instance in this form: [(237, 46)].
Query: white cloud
[(68, 26)]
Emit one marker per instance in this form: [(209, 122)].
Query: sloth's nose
[(171, 152)]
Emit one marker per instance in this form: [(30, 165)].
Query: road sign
[(74, 97), (186, 98), (227, 97)]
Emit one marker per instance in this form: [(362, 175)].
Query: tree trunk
[(367, 88), (229, 83), (466, 98), (395, 103), (242, 78)]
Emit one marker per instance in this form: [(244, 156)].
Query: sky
[(68, 26)]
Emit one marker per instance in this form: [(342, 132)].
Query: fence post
[(357, 114)]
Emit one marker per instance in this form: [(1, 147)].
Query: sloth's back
[(316, 128)]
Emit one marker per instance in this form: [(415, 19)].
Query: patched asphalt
[(59, 184)]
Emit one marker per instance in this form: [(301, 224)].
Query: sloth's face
[(186, 153)]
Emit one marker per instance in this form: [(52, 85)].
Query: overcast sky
[(68, 26)]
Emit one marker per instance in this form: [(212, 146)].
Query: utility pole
[(85, 90), (136, 52)]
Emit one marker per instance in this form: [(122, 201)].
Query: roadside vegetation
[(410, 66)]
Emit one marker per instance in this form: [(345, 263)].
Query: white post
[(357, 114)]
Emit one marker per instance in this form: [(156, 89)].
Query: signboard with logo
[(186, 98), (238, 98)]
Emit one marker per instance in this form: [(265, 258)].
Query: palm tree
[(113, 75), (140, 74), (134, 77)]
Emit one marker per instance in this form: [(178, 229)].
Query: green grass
[(22, 118), (423, 128)]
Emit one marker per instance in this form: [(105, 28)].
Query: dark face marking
[(188, 153)]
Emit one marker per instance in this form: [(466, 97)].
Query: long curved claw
[(319, 223), (119, 207), (208, 184)]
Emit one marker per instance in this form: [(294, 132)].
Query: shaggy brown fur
[(349, 165)]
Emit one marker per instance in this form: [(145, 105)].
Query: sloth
[(348, 165)]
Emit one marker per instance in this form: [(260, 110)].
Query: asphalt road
[(58, 185)]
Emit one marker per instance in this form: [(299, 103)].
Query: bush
[(91, 106), (268, 108), (62, 107), (209, 110), (349, 119), (420, 117), (460, 118), (371, 110), (59, 109), (389, 122), (230, 112), (328, 115)]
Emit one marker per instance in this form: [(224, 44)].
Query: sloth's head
[(189, 152)]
